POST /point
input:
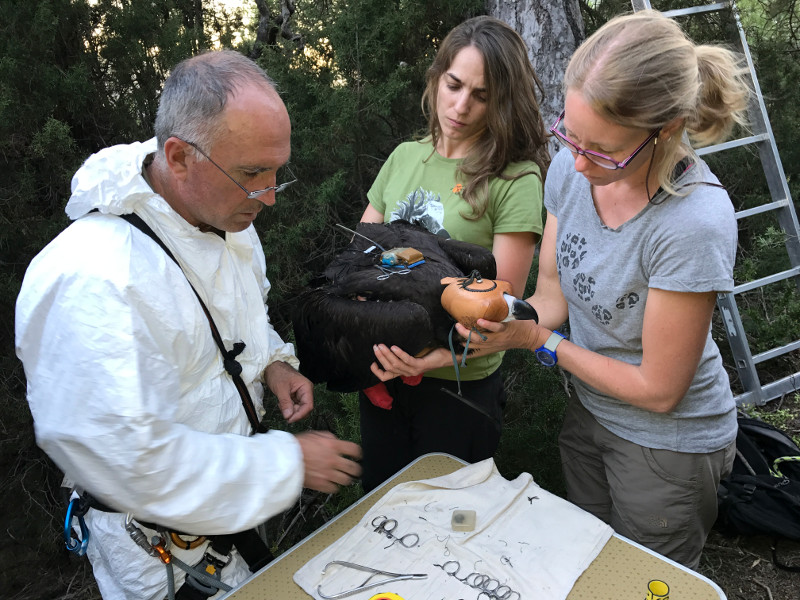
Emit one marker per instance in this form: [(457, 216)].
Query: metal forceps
[(386, 526), (390, 578), (387, 272)]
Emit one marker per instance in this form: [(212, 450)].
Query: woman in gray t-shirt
[(640, 237)]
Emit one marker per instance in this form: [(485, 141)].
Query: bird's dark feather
[(335, 331)]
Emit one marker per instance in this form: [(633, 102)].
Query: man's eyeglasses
[(600, 160), (255, 193)]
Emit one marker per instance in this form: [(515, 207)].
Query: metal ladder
[(755, 393)]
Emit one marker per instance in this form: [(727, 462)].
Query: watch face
[(546, 357)]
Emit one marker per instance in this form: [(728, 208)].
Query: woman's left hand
[(394, 362)]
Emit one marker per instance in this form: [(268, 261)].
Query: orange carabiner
[(162, 553)]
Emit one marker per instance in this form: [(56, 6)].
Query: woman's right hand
[(496, 337)]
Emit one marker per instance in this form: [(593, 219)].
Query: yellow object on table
[(657, 590)]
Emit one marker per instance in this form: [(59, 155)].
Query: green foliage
[(533, 415), (74, 78), (778, 418), (785, 416)]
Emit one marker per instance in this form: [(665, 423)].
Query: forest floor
[(35, 565), (744, 569)]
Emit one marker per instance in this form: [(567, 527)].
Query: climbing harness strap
[(204, 579), (232, 366), (184, 544), (250, 546)]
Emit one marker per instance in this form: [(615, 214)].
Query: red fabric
[(379, 396)]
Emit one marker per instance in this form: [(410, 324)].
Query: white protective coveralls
[(127, 388)]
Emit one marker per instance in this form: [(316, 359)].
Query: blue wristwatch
[(546, 353)]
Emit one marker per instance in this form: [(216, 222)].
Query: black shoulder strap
[(232, 366)]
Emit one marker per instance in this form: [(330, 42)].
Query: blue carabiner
[(76, 545)]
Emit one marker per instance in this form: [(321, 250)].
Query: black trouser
[(425, 419)]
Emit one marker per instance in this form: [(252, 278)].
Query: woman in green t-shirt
[(477, 177)]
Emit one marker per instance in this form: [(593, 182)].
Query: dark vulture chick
[(355, 307)]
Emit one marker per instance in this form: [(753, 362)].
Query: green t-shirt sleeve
[(376, 194), (516, 205)]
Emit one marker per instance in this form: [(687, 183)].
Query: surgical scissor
[(386, 526), (387, 272)]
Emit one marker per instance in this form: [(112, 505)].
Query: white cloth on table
[(526, 540)]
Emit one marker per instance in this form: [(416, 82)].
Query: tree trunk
[(552, 31), (269, 27)]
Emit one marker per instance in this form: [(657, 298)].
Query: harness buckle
[(211, 564), (215, 559)]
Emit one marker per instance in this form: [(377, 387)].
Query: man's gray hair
[(196, 92)]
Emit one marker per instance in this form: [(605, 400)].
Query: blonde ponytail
[(722, 98)]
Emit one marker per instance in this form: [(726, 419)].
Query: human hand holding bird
[(467, 300)]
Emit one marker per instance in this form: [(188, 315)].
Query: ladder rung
[(751, 139), (694, 10), (775, 352), (770, 391), (757, 210), (757, 283)]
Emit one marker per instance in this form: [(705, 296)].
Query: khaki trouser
[(664, 500)]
